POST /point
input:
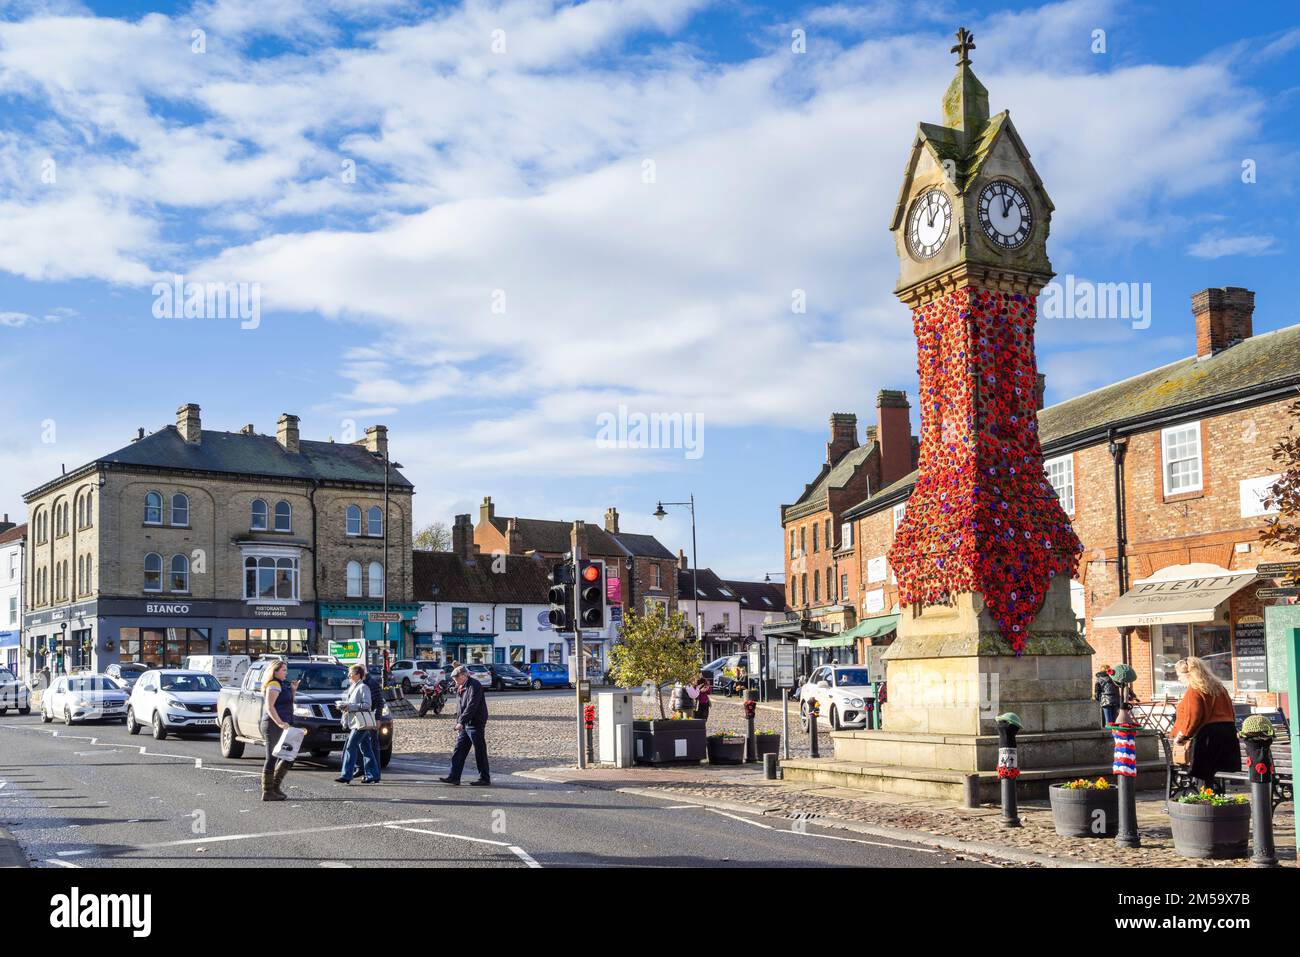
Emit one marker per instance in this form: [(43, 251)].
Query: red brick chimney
[(893, 412), (844, 436), (462, 538), (1224, 317), (681, 560)]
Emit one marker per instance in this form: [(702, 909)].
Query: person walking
[(471, 720), (377, 705), (1107, 693), (703, 689), (358, 718), (1205, 717), (277, 718)]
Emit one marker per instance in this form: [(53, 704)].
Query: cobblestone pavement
[(533, 730)]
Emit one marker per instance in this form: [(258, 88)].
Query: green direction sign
[(1278, 622), (346, 651), (1278, 569)]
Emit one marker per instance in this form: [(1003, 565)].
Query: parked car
[(126, 673), (227, 669), (841, 692), (722, 671), (13, 693), (171, 701), (545, 675), (320, 686), (507, 676), (416, 673), (84, 697)]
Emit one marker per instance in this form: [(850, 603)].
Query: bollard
[(769, 767), (751, 742), (1009, 726), (971, 789), (589, 721), (813, 711), (1257, 735), (1124, 731)]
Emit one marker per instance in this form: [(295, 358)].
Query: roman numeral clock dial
[(1005, 215), (929, 223)]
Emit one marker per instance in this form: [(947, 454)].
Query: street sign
[(785, 666), (584, 691), (384, 616), (1278, 569), (1277, 592)]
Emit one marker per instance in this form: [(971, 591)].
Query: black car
[(508, 676)]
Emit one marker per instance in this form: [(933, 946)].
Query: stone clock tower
[(984, 553)]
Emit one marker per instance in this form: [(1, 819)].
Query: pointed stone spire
[(966, 103)]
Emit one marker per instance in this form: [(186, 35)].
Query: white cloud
[(1216, 246)]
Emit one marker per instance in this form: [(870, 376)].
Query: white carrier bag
[(290, 741)]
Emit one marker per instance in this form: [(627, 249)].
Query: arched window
[(375, 521), (817, 576), (803, 587), (257, 519), (180, 509), (376, 580), (153, 572), (78, 587), (153, 509), (354, 573), (90, 508), (180, 577), (354, 524), (286, 578), (283, 517)]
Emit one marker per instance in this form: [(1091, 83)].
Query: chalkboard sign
[(1251, 651), (1279, 620)]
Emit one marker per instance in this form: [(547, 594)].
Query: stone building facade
[(191, 541)]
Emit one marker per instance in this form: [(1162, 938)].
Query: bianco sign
[(166, 608)]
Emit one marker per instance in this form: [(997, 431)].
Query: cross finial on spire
[(965, 43)]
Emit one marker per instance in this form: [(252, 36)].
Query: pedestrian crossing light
[(561, 597), (591, 595)]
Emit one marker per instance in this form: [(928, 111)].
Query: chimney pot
[(844, 436), (1223, 317), (377, 439), (487, 511), (894, 431)]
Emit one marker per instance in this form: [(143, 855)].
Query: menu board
[(1251, 652)]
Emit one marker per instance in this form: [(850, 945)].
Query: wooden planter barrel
[(729, 750), (767, 744), (1085, 812), (1206, 831)]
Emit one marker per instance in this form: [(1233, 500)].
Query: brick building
[(1163, 477), (13, 544), (194, 541)]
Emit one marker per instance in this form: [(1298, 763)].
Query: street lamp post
[(388, 467), (660, 514)]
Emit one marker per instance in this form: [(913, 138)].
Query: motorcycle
[(433, 696)]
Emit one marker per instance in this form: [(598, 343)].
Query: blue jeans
[(360, 749), (1109, 713), (470, 737)]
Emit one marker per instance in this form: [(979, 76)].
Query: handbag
[(364, 720), (1181, 753), (289, 744)]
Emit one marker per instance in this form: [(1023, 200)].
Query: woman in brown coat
[(1205, 716)]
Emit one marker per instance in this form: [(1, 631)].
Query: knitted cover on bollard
[(1009, 725), (1124, 731)]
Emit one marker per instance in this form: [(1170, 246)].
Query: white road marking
[(514, 849), (745, 820), (679, 807), (855, 840)]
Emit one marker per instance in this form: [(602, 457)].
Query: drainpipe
[(1118, 444), (315, 567)]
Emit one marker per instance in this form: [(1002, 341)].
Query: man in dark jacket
[(471, 719)]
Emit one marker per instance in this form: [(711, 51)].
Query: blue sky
[(560, 209)]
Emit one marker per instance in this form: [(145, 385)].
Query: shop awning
[(1172, 600), (842, 640), (871, 627)]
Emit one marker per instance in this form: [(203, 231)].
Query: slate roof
[(759, 596), (553, 537), (1263, 363), (643, 546), (710, 585), (15, 534), (245, 454), (836, 476), (523, 582)]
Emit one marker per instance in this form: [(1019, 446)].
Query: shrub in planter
[(768, 742), (1209, 825), (726, 748), (1085, 808)]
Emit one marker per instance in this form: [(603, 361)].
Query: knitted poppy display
[(982, 517)]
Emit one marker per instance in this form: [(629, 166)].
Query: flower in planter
[(1083, 784), (1207, 796)]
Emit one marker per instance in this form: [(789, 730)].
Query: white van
[(227, 669)]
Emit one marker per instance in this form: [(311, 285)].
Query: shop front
[(1187, 611), (473, 649), (63, 640), (10, 650), (349, 624)]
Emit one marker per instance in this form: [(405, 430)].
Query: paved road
[(94, 796)]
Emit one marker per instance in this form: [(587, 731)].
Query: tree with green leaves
[(653, 650), (434, 537)]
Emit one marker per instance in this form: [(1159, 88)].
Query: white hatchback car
[(83, 697), (13, 693), (841, 692), (416, 673), (172, 701)]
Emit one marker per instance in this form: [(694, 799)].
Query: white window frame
[(1066, 464), (289, 524), (147, 507), (253, 526), (184, 509), (347, 520), (277, 554), (899, 511), (370, 514), (147, 572), (370, 579), (354, 591), (184, 573), (1165, 461)]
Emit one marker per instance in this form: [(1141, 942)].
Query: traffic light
[(561, 597), (591, 595)]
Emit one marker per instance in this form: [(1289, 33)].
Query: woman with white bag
[(359, 719), (277, 722)]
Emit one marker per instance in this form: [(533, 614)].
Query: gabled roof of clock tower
[(967, 136)]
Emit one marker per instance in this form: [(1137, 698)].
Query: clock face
[(1005, 214), (929, 223)]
